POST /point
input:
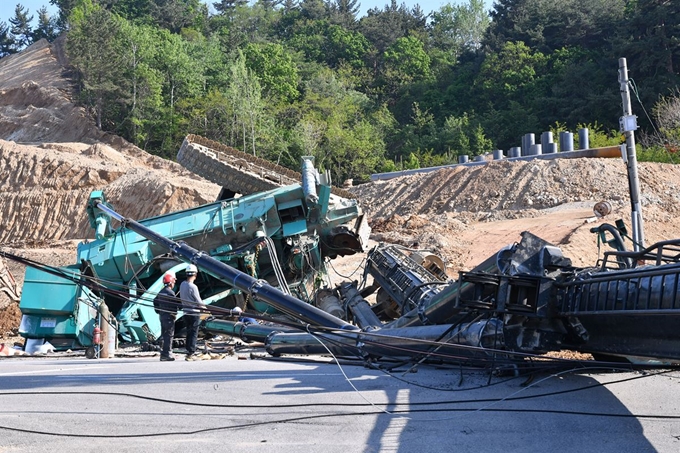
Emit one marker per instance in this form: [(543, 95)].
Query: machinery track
[(235, 170)]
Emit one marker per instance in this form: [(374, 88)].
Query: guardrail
[(605, 152)]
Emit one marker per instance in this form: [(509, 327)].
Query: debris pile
[(52, 157)]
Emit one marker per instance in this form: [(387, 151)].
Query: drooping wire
[(99, 285), (353, 414), (276, 265), (359, 266), (634, 89), (636, 92), (466, 354), (347, 379), (348, 404)]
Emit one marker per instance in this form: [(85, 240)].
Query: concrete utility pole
[(628, 123)]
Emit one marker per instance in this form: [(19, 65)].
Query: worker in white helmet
[(192, 304)]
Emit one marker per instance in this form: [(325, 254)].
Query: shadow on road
[(432, 410)]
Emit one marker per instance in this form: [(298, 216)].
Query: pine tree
[(21, 27), (47, 27), (344, 12), (224, 6), (7, 43)]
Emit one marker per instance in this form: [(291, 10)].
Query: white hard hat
[(191, 270)]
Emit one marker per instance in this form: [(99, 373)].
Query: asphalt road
[(47, 404)]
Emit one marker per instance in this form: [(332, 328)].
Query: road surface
[(294, 405)]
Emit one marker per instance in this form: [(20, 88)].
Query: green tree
[(344, 12), (507, 84), (144, 83), (456, 29), (547, 25), (21, 27), (241, 24), (462, 135), (331, 44), (138, 11), (346, 46), (47, 27), (340, 128), (175, 15), (310, 133), (417, 135), (578, 85), (653, 49), (210, 115), (382, 27), (7, 42), (666, 136), (511, 72), (275, 70), (245, 96), (93, 49), (313, 9), (225, 6), (184, 77), (65, 8), (406, 62)]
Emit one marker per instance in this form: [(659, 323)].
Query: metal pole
[(234, 277), (633, 181)]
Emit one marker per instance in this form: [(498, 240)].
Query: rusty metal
[(602, 209)]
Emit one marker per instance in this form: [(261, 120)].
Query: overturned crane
[(527, 299), (280, 239), (266, 252)]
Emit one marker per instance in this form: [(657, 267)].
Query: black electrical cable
[(355, 351), (371, 365), (474, 349), (298, 405), (554, 362), (351, 414), (481, 361), (392, 412), (544, 365), (359, 266), (103, 286)]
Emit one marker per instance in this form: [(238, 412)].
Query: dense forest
[(396, 88)]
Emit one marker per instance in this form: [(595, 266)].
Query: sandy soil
[(468, 213), (52, 157)]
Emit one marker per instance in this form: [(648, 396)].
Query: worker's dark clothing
[(192, 322), (167, 304), (191, 304)]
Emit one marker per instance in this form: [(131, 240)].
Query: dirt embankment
[(468, 213), (52, 157)]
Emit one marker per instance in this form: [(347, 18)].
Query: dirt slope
[(52, 157), (468, 213)]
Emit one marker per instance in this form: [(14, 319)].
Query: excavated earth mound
[(52, 156), (467, 213)]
